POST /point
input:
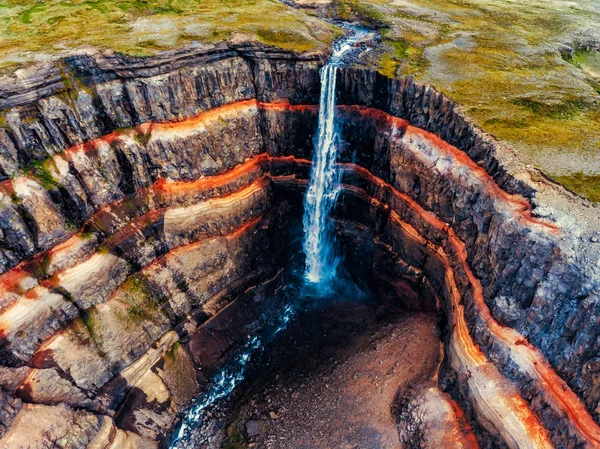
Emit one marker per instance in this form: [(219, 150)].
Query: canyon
[(143, 198)]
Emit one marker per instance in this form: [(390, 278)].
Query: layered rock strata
[(119, 244)]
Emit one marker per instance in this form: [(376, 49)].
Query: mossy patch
[(91, 322), (276, 36), (391, 60), (363, 11), (41, 268), (41, 170), (559, 111), (172, 352), (143, 303), (388, 65), (235, 438), (587, 61), (584, 59), (587, 186), (3, 122)]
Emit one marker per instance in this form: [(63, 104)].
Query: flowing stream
[(231, 375), (323, 188)]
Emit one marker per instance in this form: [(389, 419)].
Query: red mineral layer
[(459, 157), (37, 360)]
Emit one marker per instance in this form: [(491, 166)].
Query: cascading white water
[(323, 187), (230, 375)]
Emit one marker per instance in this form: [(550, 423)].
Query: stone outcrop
[(141, 197)]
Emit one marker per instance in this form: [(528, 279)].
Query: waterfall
[(323, 187)]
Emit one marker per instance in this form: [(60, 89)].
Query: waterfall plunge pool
[(313, 369)]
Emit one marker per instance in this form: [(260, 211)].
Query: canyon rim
[(302, 224)]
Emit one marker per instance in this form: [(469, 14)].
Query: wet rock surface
[(329, 380)]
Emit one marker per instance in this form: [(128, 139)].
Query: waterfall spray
[(323, 187)]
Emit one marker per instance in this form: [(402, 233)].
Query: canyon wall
[(142, 196), (120, 242)]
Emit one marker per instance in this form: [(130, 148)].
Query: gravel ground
[(328, 381)]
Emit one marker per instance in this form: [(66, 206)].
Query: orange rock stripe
[(519, 407), (519, 204), (576, 410), (192, 123)]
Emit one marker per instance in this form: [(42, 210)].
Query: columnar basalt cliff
[(141, 198)]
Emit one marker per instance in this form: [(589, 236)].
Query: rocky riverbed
[(329, 380)]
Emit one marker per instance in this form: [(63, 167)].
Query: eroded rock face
[(120, 247)]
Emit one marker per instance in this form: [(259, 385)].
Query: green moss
[(589, 62), (587, 186), (3, 122), (400, 52), (293, 40), (89, 319), (172, 352), (388, 65), (559, 111), (41, 269), (25, 16), (362, 11), (142, 138), (143, 303), (235, 438), (87, 235), (400, 48), (584, 58), (41, 171)]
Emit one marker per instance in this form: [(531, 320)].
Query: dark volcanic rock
[(138, 155)]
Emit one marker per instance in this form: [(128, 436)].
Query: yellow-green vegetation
[(589, 62), (143, 303), (358, 10), (586, 185), (42, 172), (505, 63), (90, 321), (140, 27)]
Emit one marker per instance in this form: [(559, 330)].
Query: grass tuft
[(40, 170), (584, 185)]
